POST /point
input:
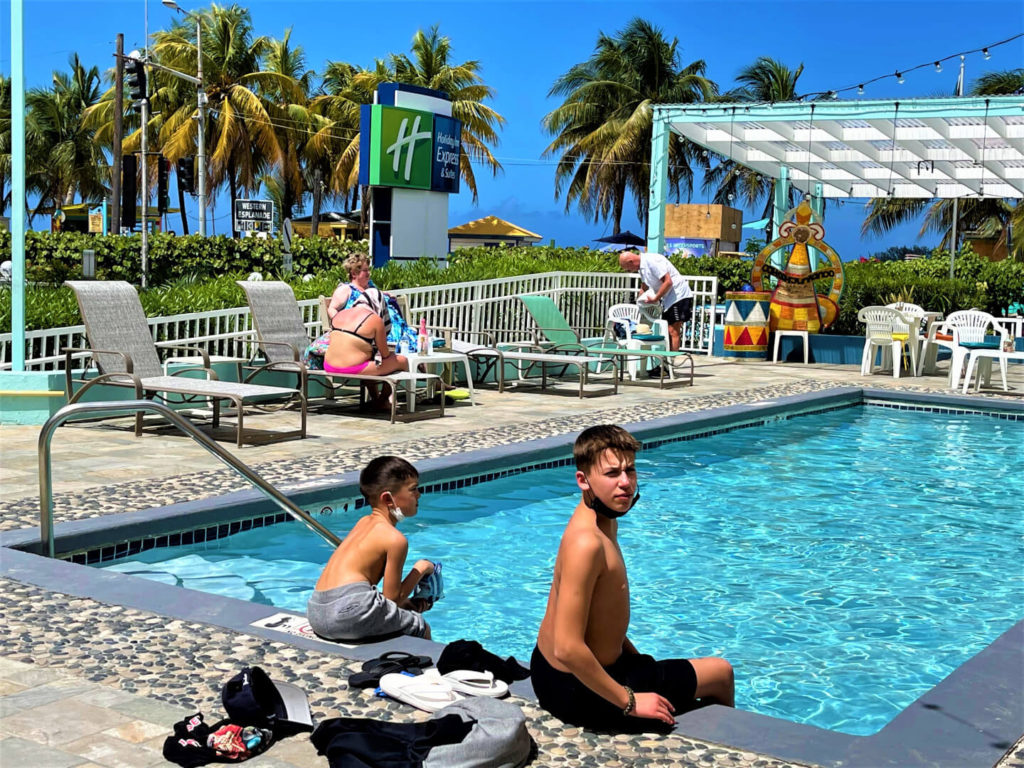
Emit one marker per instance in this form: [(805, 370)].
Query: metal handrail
[(79, 409)]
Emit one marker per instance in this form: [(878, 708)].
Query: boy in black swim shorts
[(585, 670)]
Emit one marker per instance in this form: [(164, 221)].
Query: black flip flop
[(392, 661), (405, 659)]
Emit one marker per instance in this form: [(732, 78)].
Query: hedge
[(198, 274)]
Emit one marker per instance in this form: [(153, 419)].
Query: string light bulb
[(860, 90), (938, 66), (986, 54), (899, 77)]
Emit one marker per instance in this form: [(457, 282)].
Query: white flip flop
[(473, 683), (427, 692)]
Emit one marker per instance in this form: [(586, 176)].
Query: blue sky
[(524, 45)]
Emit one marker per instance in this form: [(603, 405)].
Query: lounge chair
[(553, 333), (528, 358), (122, 347), (282, 338), (524, 357)]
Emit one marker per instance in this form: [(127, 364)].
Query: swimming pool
[(845, 562)]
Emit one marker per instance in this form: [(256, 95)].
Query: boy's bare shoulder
[(581, 538)]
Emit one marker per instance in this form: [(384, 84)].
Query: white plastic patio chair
[(628, 317), (890, 330), (960, 333)]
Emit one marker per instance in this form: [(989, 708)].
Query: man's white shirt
[(654, 267)]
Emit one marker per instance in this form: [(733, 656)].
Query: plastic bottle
[(423, 341)]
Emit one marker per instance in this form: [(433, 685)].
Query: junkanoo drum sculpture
[(795, 304)]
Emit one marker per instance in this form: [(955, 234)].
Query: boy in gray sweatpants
[(346, 604)]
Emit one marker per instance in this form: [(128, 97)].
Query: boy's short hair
[(594, 441), (385, 473)]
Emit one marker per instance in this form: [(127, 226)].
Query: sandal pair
[(431, 691), (392, 662)]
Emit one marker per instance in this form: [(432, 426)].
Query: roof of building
[(492, 226)]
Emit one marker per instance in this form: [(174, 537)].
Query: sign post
[(254, 215)]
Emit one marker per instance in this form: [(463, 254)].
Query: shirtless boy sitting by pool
[(585, 670), (346, 604)]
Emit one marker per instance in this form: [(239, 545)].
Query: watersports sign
[(254, 215), (409, 148)]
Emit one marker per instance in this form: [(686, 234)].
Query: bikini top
[(354, 332)]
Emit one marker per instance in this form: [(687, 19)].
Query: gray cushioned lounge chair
[(122, 348), (282, 338)]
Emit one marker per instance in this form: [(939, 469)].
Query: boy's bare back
[(363, 554)]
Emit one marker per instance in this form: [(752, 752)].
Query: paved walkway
[(99, 685)]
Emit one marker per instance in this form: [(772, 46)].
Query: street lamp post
[(201, 102)]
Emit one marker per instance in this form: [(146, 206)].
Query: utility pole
[(145, 190), (115, 174), (201, 99)]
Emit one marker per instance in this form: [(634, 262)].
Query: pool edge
[(918, 736)]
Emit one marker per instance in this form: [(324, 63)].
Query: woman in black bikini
[(357, 334)]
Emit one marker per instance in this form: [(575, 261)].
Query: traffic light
[(187, 174), (163, 201), (129, 171), (135, 75)]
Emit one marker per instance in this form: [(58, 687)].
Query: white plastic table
[(989, 355), (438, 358)]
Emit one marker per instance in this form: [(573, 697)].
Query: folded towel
[(430, 587)]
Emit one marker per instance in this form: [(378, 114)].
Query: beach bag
[(497, 737)]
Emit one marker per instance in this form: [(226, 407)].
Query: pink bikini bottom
[(359, 368)]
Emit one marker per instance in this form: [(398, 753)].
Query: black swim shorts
[(680, 312), (565, 697)]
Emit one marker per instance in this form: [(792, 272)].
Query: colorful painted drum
[(746, 324)]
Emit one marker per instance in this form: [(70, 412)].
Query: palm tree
[(431, 67), (241, 135), (767, 80), (289, 110), (999, 83), (332, 153), (62, 158), (990, 217), (603, 127)]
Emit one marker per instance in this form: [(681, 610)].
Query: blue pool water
[(844, 562)]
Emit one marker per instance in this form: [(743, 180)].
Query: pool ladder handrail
[(80, 409)]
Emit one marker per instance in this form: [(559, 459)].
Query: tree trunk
[(364, 213), (355, 199), (314, 222), (617, 201), (181, 209), (233, 191)]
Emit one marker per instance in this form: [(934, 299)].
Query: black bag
[(469, 654), (196, 743)]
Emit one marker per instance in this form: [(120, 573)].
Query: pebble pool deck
[(90, 684)]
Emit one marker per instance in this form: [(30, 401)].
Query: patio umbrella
[(623, 238)]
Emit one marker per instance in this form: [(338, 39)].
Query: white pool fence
[(485, 305)]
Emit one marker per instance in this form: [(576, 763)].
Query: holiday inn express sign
[(409, 148)]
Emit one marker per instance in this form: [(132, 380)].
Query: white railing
[(486, 305)]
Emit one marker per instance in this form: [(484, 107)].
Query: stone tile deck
[(89, 684)]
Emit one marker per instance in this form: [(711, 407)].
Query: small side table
[(802, 334), (439, 358)]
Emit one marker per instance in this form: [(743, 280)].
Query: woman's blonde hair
[(355, 262)]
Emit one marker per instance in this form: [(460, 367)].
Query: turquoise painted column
[(779, 207), (818, 207), (659, 184), (17, 186)]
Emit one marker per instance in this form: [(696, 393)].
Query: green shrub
[(194, 274)]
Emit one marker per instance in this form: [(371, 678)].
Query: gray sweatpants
[(359, 612)]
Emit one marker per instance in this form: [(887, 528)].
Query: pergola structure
[(913, 148)]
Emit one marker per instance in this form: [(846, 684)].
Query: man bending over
[(585, 670)]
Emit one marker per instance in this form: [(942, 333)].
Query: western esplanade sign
[(409, 148)]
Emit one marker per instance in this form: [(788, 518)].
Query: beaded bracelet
[(631, 706)]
